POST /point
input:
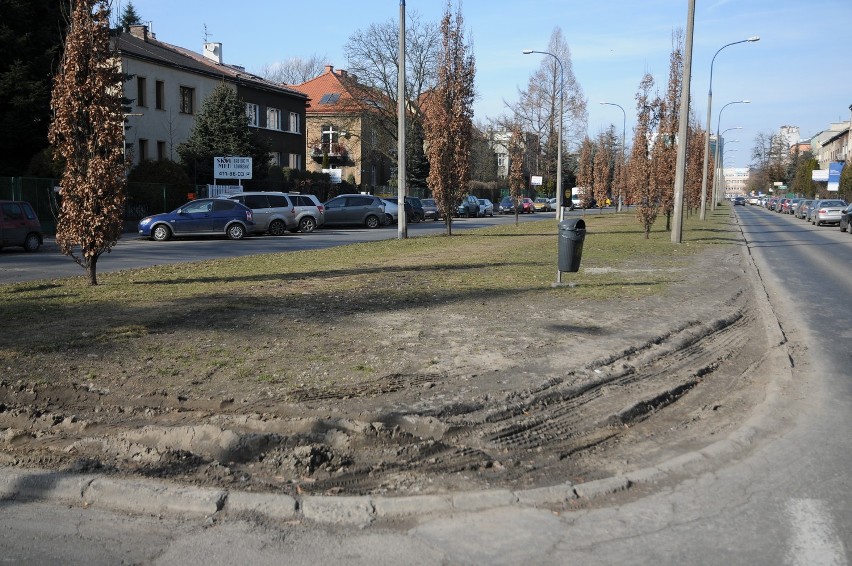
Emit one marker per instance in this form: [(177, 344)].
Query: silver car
[(355, 209), (827, 212), (278, 213)]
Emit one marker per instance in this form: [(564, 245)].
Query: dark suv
[(19, 226)]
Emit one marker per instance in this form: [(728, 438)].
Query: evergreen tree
[(87, 131), (29, 55), (222, 129), (129, 17)]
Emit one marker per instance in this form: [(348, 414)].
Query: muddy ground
[(517, 394)]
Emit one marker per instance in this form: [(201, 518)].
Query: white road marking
[(814, 541)]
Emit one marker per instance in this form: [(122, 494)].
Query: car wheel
[(307, 224), (236, 231), (161, 233), (32, 243), (372, 221), (388, 219), (277, 228)]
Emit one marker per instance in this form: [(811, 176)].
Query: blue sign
[(835, 168)]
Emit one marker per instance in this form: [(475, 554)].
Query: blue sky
[(799, 73)]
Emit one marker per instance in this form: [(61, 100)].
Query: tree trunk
[(92, 270)]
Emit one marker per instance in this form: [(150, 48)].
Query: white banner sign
[(335, 174), (232, 167), (535, 181)]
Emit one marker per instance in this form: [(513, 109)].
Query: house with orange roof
[(343, 130)]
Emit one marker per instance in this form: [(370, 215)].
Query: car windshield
[(832, 203)]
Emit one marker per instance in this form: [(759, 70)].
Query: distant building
[(167, 85), (736, 181), (499, 142)]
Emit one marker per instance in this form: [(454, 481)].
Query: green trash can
[(572, 233)]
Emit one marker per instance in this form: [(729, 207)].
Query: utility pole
[(683, 129), (402, 221)]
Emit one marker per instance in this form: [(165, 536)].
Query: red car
[(527, 206), (19, 226)]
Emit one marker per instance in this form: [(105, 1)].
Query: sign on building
[(835, 168), (335, 174), (232, 167)]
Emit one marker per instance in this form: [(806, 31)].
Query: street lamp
[(623, 140), (718, 143), (559, 189), (707, 133)]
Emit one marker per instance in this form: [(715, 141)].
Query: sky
[(799, 73)]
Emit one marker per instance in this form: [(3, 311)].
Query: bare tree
[(372, 56), (537, 109), (449, 117), (295, 70), (87, 131)]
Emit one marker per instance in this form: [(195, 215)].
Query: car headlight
[(145, 221)]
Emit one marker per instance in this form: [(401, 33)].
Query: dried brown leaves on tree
[(449, 117), (516, 168), (601, 176), (639, 167), (87, 131), (664, 150), (586, 170)]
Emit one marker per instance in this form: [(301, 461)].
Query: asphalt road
[(133, 252), (787, 501)]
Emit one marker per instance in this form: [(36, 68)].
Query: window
[(13, 211), (273, 119), (278, 201), (159, 95), (330, 137), (295, 125), (143, 150), (221, 204), (256, 201), (140, 92), (187, 100), (295, 161), (161, 151), (330, 98), (253, 113), (275, 158)]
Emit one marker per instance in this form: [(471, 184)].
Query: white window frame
[(295, 161), (275, 158), (253, 113), (273, 119), (294, 124)]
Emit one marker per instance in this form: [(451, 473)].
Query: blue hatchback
[(202, 217)]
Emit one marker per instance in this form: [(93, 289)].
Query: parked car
[(846, 219), (202, 217), (506, 206), (526, 206), (417, 213), (310, 213), (810, 210), (790, 205), (542, 205), (392, 210), (827, 212), (486, 207), (802, 209), (739, 201), (779, 206), (430, 208), (469, 207), (278, 213), (19, 226), (355, 209)]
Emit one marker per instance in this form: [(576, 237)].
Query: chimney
[(213, 51), (342, 72), (329, 68), (139, 31)]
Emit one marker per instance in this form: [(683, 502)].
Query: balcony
[(336, 152)]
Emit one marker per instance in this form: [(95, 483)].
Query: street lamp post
[(707, 132), (623, 141), (718, 140), (559, 188)]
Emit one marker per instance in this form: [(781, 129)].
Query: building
[(499, 142), (343, 130), (736, 181), (167, 84)]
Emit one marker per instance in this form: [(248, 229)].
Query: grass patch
[(255, 318)]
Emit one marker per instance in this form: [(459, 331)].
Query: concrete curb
[(156, 497)]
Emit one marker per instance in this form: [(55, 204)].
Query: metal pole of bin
[(559, 189)]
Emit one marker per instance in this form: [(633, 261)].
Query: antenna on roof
[(206, 34)]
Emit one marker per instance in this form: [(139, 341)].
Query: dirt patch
[(531, 391)]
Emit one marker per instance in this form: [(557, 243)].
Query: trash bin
[(572, 232)]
